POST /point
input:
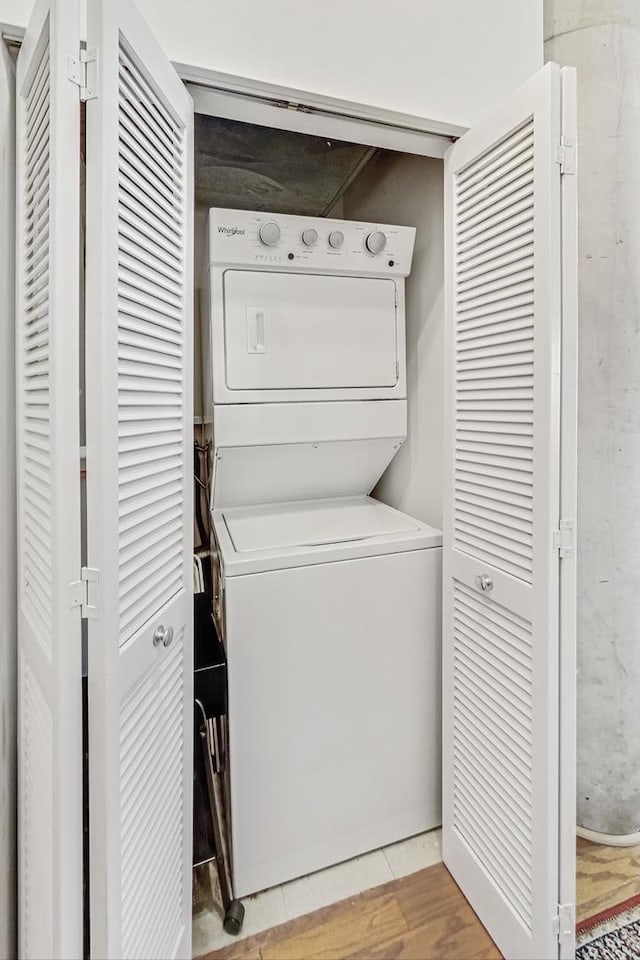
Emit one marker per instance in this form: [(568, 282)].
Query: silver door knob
[(162, 635), (484, 582)]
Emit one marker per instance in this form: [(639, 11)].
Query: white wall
[(7, 519), (407, 190), (447, 60), (602, 40)]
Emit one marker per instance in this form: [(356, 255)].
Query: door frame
[(567, 508), (8, 525), (253, 101), (234, 97), (287, 108)]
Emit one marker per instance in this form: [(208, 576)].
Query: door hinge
[(290, 105), (83, 71), (564, 538), (566, 157), (564, 923), (297, 107), (85, 593)]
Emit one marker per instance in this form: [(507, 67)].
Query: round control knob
[(309, 237), (376, 242), (269, 233), (336, 239)]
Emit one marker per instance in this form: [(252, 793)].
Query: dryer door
[(286, 332)]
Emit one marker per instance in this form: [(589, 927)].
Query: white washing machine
[(328, 601)]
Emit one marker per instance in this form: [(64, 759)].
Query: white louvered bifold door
[(504, 284), (48, 480), (139, 491)]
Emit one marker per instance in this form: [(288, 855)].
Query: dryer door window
[(296, 331)]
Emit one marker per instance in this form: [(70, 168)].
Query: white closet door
[(502, 728), (48, 509), (139, 490)]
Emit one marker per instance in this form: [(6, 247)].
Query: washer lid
[(311, 523)]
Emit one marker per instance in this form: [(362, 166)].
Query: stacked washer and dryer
[(327, 601)]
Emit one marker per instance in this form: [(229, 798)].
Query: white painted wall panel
[(446, 61), (388, 192)]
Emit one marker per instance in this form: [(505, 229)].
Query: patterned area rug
[(613, 934)]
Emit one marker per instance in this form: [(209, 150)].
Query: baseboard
[(609, 839)]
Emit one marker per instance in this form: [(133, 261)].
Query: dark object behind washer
[(210, 833)]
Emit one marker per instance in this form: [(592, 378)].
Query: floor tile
[(336, 883), (263, 911), (416, 853)]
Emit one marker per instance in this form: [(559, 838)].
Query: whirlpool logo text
[(231, 231)]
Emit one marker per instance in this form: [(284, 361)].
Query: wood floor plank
[(372, 922), (420, 917), (429, 895), (238, 951), (441, 924), (459, 936), (605, 876), (426, 917)]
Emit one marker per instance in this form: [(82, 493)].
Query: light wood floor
[(425, 917), (605, 876)]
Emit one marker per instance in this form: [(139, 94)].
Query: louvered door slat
[(484, 539), (504, 250), (506, 195), (139, 464), (499, 221), (470, 289), (506, 174), (495, 750), (513, 692), (501, 709), (509, 332), (166, 207), (134, 227), (493, 159), (497, 266), (508, 738), (515, 227)]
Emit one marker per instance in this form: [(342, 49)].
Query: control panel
[(277, 242)]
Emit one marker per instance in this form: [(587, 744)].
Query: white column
[(602, 39)]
